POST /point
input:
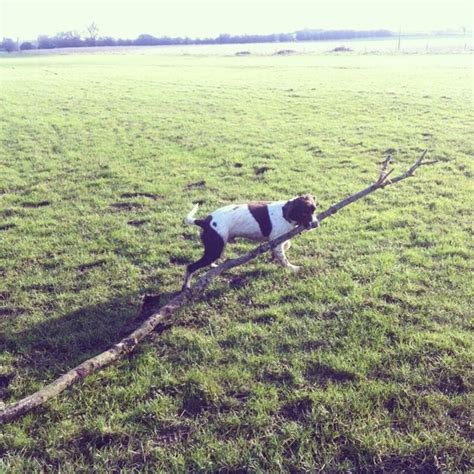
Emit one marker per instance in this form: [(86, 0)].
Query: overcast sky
[(27, 19)]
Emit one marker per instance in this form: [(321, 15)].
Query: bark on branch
[(163, 314)]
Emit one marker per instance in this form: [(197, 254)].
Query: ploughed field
[(363, 360)]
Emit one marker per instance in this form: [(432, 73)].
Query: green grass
[(362, 361)]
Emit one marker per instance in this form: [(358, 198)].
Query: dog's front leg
[(279, 256)]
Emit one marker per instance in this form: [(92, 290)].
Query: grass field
[(363, 361)]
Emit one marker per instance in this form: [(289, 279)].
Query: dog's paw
[(293, 268)]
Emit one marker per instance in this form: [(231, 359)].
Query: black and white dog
[(254, 221)]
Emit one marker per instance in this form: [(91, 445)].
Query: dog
[(258, 221)]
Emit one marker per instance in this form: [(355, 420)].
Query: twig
[(160, 315)]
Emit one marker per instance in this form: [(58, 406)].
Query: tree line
[(72, 39)]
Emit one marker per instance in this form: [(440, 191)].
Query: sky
[(26, 19)]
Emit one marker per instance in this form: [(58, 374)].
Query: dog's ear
[(288, 210), (310, 201)]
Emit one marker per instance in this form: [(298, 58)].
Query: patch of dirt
[(313, 345), (138, 222), (5, 379), (452, 384), (391, 299), (4, 295), (391, 404), (179, 260), (329, 314), (173, 434), (322, 374), (150, 303), (297, 409), (462, 416), (197, 184), (32, 204), (238, 165), (278, 375), (45, 288), (140, 194), (126, 206), (413, 462), (341, 49), (265, 319), (241, 396), (6, 311), (188, 237), (88, 266), (261, 170), (195, 401), (9, 212), (314, 150), (8, 226), (237, 282), (96, 439), (285, 52)]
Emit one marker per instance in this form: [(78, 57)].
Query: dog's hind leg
[(279, 256), (213, 247)]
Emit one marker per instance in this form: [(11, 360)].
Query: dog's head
[(301, 210)]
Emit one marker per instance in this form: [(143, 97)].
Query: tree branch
[(163, 314)]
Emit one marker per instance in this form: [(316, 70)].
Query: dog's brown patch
[(259, 211), (287, 210)]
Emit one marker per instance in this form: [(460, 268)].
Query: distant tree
[(9, 45), (45, 42), (27, 45), (318, 35), (106, 41), (283, 37), (146, 40), (93, 31), (124, 42), (68, 39)]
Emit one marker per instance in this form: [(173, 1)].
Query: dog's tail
[(189, 219)]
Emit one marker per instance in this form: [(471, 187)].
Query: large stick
[(160, 315)]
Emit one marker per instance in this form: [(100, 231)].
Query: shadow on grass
[(48, 349), (51, 347)]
